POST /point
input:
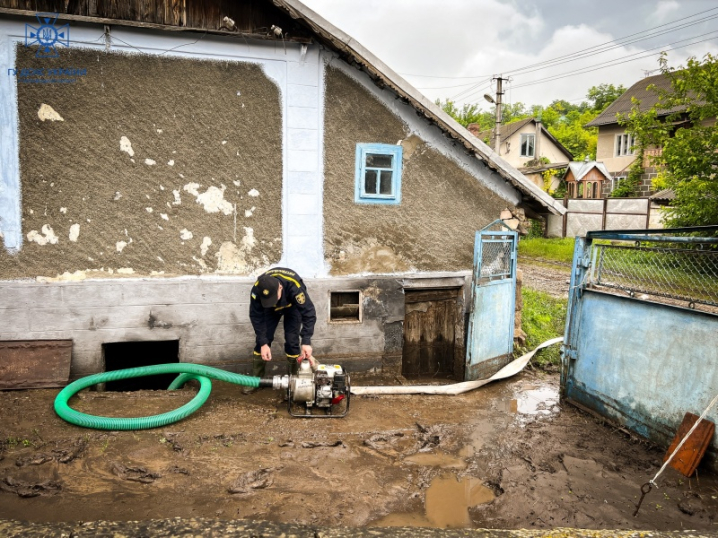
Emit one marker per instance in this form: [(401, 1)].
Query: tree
[(469, 113), (688, 162), (603, 95)]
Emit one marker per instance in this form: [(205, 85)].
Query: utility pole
[(499, 95)]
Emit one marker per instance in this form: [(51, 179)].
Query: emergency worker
[(281, 292)]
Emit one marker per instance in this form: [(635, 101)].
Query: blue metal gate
[(490, 343)]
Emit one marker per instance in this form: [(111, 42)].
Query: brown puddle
[(446, 505)]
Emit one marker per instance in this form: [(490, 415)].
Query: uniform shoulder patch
[(301, 298), (254, 296)]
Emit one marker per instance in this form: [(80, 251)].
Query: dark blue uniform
[(299, 318)]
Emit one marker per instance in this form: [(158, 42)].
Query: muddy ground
[(506, 456)]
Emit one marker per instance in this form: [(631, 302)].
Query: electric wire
[(612, 63), (587, 51)]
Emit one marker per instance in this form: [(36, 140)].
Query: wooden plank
[(26, 364), (689, 456), (108, 15)]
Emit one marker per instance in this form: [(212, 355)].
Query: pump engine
[(325, 387)]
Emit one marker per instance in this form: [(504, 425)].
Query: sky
[(453, 48)]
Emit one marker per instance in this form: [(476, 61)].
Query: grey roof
[(581, 168), (509, 129), (353, 52), (640, 91), (665, 194)]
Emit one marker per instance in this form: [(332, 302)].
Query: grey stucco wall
[(209, 316), (157, 165), (442, 204)]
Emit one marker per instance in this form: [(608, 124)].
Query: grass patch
[(543, 317), (559, 250)]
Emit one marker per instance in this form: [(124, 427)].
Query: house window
[(528, 141), (624, 144), (378, 174), (616, 181), (344, 306)]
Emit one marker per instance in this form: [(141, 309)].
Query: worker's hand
[(266, 353), (306, 353)]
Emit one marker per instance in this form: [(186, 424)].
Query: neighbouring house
[(528, 146), (585, 179), (157, 156), (616, 148)]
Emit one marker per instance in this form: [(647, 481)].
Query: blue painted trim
[(360, 197)]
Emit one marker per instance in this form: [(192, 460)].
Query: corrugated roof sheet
[(640, 91), (665, 194)]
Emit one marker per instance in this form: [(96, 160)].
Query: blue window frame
[(378, 174)]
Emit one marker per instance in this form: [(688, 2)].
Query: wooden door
[(430, 327)]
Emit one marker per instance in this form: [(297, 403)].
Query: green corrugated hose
[(187, 371)]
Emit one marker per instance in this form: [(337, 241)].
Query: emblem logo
[(301, 298), (266, 292), (47, 35)]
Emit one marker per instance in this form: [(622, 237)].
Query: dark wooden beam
[(152, 26)]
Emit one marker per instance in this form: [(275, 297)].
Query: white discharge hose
[(509, 370)]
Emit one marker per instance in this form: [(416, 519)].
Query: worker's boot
[(258, 369)]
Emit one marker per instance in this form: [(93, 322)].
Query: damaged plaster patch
[(253, 193), (185, 234), (64, 277), (126, 271), (248, 212), (149, 209), (370, 257), (63, 210), (206, 242), (47, 236), (74, 232), (178, 200), (150, 162), (234, 259), (164, 216), (120, 245), (170, 162), (212, 199), (47, 113), (126, 146)]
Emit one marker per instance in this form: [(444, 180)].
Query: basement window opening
[(121, 355), (344, 306), (378, 174)]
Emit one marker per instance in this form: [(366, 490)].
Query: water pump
[(316, 386)]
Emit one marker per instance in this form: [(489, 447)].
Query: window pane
[(527, 145), (379, 161), (385, 183), (370, 182)]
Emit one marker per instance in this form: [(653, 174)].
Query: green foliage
[(543, 317), (603, 95), (559, 250), (469, 113), (688, 160), (630, 187)]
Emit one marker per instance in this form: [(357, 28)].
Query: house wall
[(606, 150), (94, 283), (547, 148), (442, 202)]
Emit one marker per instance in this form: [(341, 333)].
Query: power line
[(612, 63), (586, 52), (619, 41)]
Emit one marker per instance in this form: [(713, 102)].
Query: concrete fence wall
[(604, 214)]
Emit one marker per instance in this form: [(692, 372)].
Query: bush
[(543, 317)]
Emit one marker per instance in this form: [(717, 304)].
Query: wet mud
[(510, 455)]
